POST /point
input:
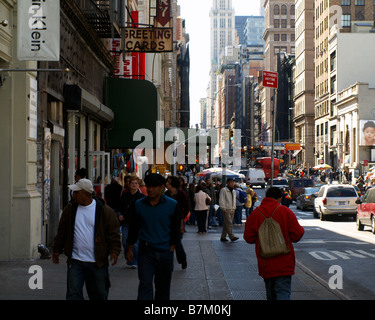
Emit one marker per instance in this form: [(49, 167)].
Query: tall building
[(333, 20), (279, 36), (222, 22), (303, 118)]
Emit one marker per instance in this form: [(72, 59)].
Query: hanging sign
[(149, 39), (163, 12), (38, 30), (270, 79), (123, 68)]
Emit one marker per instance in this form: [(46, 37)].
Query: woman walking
[(201, 200)]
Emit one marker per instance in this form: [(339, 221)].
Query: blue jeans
[(96, 280), (219, 215), (154, 266), (248, 211), (278, 288), (238, 215), (125, 232)]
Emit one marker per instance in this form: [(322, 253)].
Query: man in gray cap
[(88, 233)]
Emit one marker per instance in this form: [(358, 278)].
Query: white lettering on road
[(345, 255)]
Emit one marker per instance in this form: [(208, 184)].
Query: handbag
[(208, 201)]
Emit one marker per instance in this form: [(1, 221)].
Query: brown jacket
[(107, 233)]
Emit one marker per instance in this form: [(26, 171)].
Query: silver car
[(337, 199)]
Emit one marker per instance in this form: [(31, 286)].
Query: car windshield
[(298, 184), (308, 183), (311, 190), (279, 182), (341, 192)]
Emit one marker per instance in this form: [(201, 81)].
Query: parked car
[(339, 199), (296, 186), (256, 177), (366, 211), (306, 198)]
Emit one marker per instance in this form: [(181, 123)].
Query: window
[(345, 2), (283, 23), (333, 61), (359, 2), (333, 84), (276, 9), (345, 20), (283, 9), (276, 23), (292, 9), (341, 192), (276, 37), (283, 37)]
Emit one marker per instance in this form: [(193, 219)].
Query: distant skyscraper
[(222, 20)]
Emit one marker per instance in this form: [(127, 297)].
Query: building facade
[(20, 214), (303, 111), (335, 22), (279, 36), (54, 122)]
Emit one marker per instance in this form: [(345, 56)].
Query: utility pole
[(273, 136)]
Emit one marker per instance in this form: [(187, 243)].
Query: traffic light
[(231, 135), (261, 147)]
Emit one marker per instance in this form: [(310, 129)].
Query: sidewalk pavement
[(216, 271)]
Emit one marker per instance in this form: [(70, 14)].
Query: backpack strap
[(276, 209), (272, 213)]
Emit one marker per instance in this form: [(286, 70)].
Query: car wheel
[(360, 226), (297, 206), (315, 214), (322, 216), (373, 224)]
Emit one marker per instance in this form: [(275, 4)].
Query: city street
[(337, 244)]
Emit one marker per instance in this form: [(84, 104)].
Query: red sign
[(270, 79), (163, 11)]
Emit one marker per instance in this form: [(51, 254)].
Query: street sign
[(292, 146), (277, 146), (270, 79)]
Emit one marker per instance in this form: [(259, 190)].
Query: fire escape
[(103, 15)]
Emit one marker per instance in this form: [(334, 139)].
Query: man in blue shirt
[(156, 223)]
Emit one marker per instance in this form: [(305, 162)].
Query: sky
[(196, 14)]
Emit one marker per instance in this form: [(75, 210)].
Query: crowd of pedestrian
[(148, 218)]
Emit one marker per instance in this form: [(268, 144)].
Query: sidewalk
[(216, 271)]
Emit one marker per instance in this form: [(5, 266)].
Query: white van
[(256, 177)]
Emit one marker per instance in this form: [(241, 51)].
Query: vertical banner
[(123, 69), (138, 62), (115, 52), (38, 30), (163, 12), (33, 109)]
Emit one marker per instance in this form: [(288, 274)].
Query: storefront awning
[(135, 106), (78, 99), (296, 153)]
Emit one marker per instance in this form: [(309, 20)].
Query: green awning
[(135, 106)]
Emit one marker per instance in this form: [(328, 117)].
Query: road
[(337, 253)]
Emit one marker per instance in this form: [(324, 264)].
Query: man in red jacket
[(275, 271)]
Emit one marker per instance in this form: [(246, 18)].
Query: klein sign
[(149, 39), (270, 79), (38, 30)]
